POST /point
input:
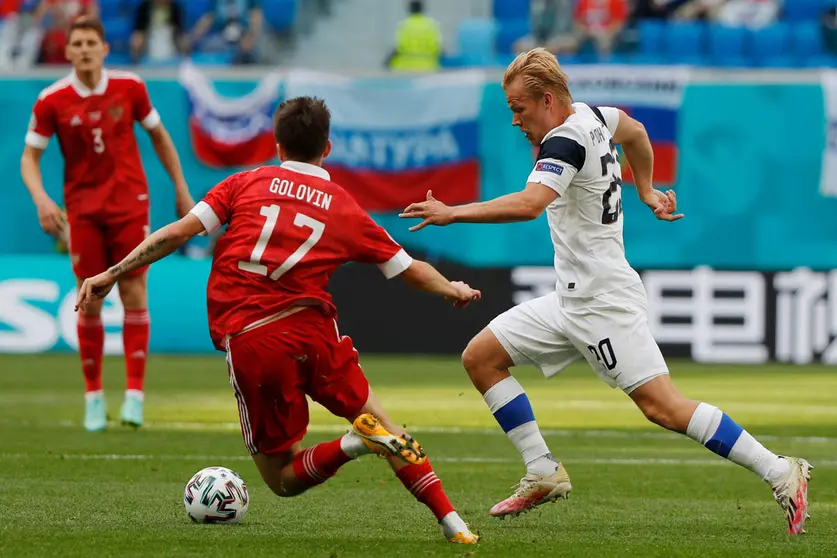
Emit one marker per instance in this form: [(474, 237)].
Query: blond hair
[(541, 73)]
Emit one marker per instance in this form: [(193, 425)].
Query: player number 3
[(98, 142), (271, 214)]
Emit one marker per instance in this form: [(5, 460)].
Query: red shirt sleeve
[(144, 111), (41, 124), (216, 207), (370, 243)]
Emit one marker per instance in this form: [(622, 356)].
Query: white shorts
[(610, 330)]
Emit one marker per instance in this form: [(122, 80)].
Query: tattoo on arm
[(143, 256)]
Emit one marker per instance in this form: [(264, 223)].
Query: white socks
[(510, 406), (353, 445), (452, 524), (719, 433)]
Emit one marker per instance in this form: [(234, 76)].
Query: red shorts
[(273, 367), (96, 245)]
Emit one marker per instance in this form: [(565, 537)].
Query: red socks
[(135, 342), (423, 483), (315, 465), (91, 346)]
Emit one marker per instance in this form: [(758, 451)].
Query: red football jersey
[(103, 173), (289, 228)]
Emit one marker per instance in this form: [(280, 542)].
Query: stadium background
[(748, 277)]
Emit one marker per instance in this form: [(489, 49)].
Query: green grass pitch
[(638, 491)]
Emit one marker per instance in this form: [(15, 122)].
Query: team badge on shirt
[(543, 166), (116, 112)]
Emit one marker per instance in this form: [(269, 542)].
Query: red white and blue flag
[(231, 132), (396, 138), (652, 95)]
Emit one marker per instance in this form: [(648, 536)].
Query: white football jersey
[(578, 160)]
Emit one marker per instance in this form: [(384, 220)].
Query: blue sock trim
[(725, 437), (514, 413)]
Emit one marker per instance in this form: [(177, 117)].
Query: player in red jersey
[(288, 229), (92, 111)]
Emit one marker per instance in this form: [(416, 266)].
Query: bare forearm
[(424, 277), (510, 208), (640, 156), (157, 246), (30, 172), (167, 153)]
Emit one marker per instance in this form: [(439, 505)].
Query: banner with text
[(395, 139), (653, 95)]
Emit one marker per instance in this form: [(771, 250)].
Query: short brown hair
[(541, 73), (301, 126), (87, 22)]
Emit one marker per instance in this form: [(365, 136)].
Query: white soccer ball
[(216, 495)]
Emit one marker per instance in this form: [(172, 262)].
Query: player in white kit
[(598, 310)]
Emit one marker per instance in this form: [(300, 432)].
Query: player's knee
[(661, 415), (132, 293), (470, 358)]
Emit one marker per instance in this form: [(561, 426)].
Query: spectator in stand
[(418, 42), (55, 17), (233, 24), (158, 28), (552, 27), (600, 22), (747, 13)]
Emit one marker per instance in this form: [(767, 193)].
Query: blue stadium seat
[(118, 59), (651, 59), (280, 14), (684, 42), (194, 9), (118, 32), (476, 39), (509, 32), (769, 43), (112, 9), (778, 61), (726, 45), (651, 34), (806, 40), (511, 9), (803, 10)]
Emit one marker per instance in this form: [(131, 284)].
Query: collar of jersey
[(306, 168), (85, 91)]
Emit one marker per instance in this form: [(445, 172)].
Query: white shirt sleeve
[(611, 116), (560, 158)]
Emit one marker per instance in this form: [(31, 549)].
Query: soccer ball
[(216, 495)]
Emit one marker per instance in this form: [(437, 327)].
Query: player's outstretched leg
[(417, 475), (135, 334), (91, 343), (546, 480), (663, 404)]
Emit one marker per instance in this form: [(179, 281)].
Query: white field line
[(226, 458), (468, 431)]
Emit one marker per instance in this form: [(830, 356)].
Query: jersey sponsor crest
[(231, 132), (395, 139)]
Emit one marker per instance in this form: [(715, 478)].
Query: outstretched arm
[(424, 277), (525, 205), (157, 246)]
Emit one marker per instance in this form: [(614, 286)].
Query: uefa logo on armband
[(549, 167)]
